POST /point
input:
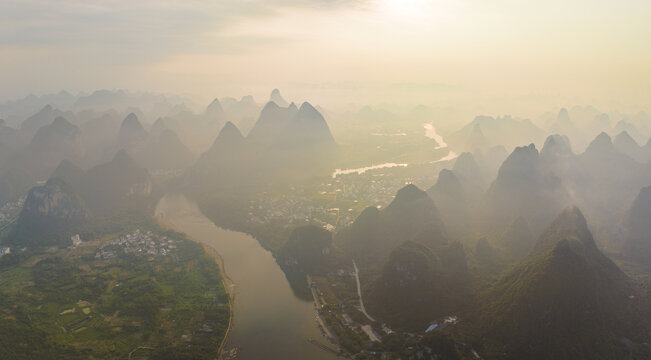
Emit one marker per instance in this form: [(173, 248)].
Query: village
[(138, 243), (9, 212), (348, 330)]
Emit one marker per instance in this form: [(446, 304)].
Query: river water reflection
[(270, 322)]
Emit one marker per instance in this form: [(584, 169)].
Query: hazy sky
[(336, 50)]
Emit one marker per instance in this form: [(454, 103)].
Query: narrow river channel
[(269, 321)]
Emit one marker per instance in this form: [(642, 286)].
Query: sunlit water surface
[(269, 322)]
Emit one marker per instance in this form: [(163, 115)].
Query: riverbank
[(318, 305), (272, 322), (229, 284)]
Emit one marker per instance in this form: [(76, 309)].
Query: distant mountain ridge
[(286, 143), (485, 131)]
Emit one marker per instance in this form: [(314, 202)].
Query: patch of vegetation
[(67, 303)]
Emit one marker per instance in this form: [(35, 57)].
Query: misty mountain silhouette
[(165, 152), (418, 284), (285, 143), (242, 113), (44, 117), (566, 300), (273, 120), (132, 133), (453, 201), (518, 240), (626, 145), (556, 146), (467, 169), (309, 249), (50, 213), (375, 233), (110, 187), (277, 98), (636, 227), (524, 187), (485, 131), (215, 110)]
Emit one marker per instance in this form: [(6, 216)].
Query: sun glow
[(403, 8)]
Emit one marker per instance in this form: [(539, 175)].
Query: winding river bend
[(269, 321)]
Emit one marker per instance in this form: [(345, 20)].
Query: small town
[(347, 329), (138, 243), (4, 250), (333, 204), (9, 211)]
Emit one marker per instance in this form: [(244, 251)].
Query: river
[(430, 132), (269, 322), (362, 170)]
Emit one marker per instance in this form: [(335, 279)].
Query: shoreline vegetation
[(72, 297), (229, 284), (327, 332)]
